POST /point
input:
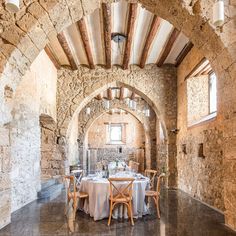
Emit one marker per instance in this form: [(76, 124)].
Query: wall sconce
[(184, 149), (107, 104), (218, 13), (201, 150), (174, 131), (88, 111), (13, 5)]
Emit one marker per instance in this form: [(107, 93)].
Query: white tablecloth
[(98, 204)]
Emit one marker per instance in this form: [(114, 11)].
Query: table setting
[(97, 187)]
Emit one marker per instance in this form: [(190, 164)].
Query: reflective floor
[(180, 215)]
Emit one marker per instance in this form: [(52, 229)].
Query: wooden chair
[(134, 165), (151, 174), (156, 194), (72, 192), (121, 193)]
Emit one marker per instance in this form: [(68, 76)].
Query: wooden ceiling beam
[(187, 48), (106, 12), (109, 94), (52, 57), (130, 34), (132, 96), (208, 71), (85, 39), (99, 97), (168, 46), (203, 70), (122, 93), (151, 35), (62, 40)]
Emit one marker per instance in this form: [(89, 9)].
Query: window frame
[(115, 142), (211, 114), (209, 92)]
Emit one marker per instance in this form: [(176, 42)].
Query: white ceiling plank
[(143, 24), (179, 44), (95, 31), (74, 40), (119, 20), (159, 41), (58, 51)]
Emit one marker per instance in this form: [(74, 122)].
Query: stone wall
[(52, 160), (200, 148), (133, 131), (5, 183), (197, 98), (25, 143), (25, 130), (133, 136)]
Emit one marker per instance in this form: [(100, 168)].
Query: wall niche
[(201, 150)]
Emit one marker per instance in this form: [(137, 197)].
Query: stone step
[(47, 183), (51, 191)]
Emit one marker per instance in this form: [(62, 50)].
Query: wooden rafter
[(85, 39), (130, 34), (173, 36), (183, 53), (122, 90), (132, 96), (62, 40), (52, 57), (200, 68), (208, 71), (66, 49), (109, 94), (106, 12), (99, 97), (151, 35), (204, 69)]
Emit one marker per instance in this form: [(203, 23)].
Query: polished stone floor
[(180, 215)]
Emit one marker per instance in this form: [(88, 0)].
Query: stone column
[(5, 182)]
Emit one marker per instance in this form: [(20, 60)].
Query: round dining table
[(97, 205)]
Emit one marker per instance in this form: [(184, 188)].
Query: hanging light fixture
[(106, 104), (130, 104), (218, 13), (13, 5), (127, 101), (88, 110), (134, 105), (147, 112)]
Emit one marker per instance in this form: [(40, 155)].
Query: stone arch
[(134, 114), (113, 79), (145, 121), (78, 89)]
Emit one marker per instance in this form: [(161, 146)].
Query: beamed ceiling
[(148, 39), (117, 93)]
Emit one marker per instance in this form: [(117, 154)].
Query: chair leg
[(158, 207), (131, 213), (66, 206), (75, 203), (128, 211), (109, 220)]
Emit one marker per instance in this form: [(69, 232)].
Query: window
[(212, 93), (115, 133), (201, 94)]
